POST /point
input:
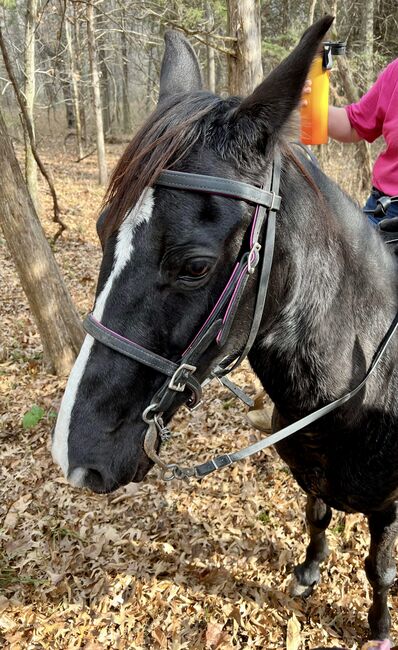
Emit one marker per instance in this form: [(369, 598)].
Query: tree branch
[(57, 218)]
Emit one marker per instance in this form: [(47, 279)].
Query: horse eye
[(195, 269)]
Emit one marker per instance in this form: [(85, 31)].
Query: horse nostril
[(95, 481)]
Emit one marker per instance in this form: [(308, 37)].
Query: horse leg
[(307, 574), (380, 567)]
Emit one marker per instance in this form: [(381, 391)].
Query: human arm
[(362, 120), (339, 126)]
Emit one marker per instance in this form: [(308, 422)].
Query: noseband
[(216, 329)]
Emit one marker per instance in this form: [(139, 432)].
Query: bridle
[(180, 377)]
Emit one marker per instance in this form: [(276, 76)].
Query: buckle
[(253, 258), (175, 382), (274, 201), (383, 203)]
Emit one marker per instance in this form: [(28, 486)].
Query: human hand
[(389, 231), (389, 225), (306, 91)]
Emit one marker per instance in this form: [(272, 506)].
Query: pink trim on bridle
[(213, 310), (115, 334), (231, 302)]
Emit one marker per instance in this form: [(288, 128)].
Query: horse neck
[(332, 296)]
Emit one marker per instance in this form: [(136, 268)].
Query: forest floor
[(153, 565)]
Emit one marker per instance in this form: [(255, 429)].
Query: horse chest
[(312, 467), (327, 467)]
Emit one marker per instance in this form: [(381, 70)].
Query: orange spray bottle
[(314, 116)]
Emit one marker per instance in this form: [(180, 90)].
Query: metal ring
[(145, 416), (169, 472)]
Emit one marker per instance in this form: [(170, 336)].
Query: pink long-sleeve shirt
[(374, 115)]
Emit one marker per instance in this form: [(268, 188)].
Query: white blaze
[(141, 213)]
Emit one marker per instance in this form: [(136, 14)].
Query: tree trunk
[(104, 86), (363, 148), (67, 93), (367, 38), (245, 70), (148, 99), (211, 61), (77, 34), (103, 172), (125, 80), (75, 89), (30, 89), (311, 12), (55, 315), (211, 68)]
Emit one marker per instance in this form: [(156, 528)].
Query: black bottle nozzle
[(331, 48)]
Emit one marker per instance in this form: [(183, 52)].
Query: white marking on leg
[(141, 213)]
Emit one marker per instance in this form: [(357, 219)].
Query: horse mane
[(168, 134), (288, 152)]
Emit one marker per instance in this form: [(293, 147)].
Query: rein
[(217, 327)]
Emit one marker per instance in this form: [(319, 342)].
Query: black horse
[(168, 255)]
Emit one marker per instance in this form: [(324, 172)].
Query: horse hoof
[(297, 589), (305, 578)]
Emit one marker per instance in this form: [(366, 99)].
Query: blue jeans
[(371, 204)]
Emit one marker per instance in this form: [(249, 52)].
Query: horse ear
[(180, 72), (271, 104)]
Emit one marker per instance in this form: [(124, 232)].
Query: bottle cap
[(330, 48)]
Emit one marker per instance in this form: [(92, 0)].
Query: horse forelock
[(168, 135)]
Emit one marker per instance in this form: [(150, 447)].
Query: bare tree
[(245, 70), (125, 77), (29, 129), (311, 12), (211, 61), (51, 305), (75, 88), (367, 36), (30, 89), (92, 51)]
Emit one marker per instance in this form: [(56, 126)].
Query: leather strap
[(227, 459), (219, 186), (214, 328), (166, 395), (268, 253), (130, 349)]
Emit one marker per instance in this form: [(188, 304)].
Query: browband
[(219, 186)]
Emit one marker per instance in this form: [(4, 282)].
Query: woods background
[(155, 565), (91, 69), (84, 75)]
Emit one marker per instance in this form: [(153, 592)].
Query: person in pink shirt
[(375, 115)]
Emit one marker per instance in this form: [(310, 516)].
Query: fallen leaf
[(214, 635), (160, 637), (293, 638)]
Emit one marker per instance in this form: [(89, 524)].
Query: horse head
[(168, 255)]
